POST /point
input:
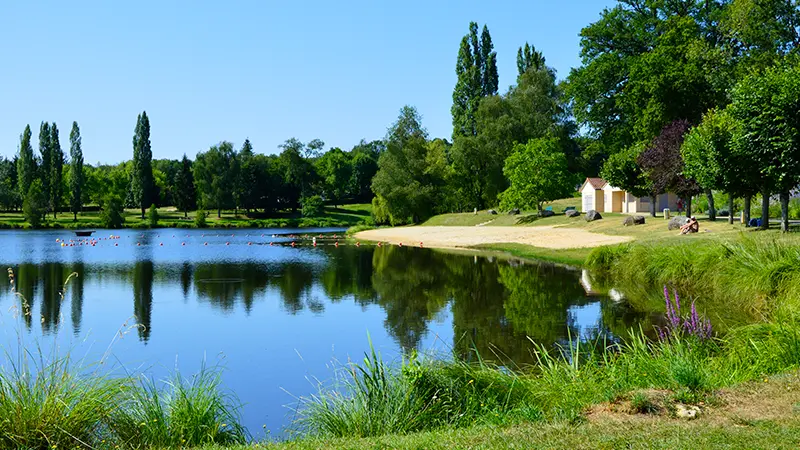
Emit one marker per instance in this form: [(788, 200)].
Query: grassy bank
[(753, 272), (342, 216)]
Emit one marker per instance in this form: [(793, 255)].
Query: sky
[(209, 71)]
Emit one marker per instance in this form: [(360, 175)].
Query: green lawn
[(341, 216), (752, 415)]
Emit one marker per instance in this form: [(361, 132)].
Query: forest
[(697, 98)]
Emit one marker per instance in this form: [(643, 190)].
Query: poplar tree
[(56, 170), (26, 163), (141, 185), (476, 68), (185, 189), (76, 170), (46, 155), (529, 58)]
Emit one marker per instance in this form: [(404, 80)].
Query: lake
[(279, 318)]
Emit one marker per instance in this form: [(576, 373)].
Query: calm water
[(275, 316)]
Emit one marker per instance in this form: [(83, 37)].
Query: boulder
[(492, 212), (514, 212), (723, 213), (688, 412), (572, 213), (593, 215), (546, 213), (633, 220), (677, 222)]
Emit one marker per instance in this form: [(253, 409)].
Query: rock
[(572, 213), (633, 220), (492, 212), (723, 213), (687, 412), (546, 213), (593, 215), (677, 222), (513, 212)]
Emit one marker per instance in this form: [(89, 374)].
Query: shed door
[(588, 202)]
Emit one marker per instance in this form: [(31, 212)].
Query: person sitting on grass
[(692, 226)]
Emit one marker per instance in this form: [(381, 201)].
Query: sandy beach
[(460, 237)]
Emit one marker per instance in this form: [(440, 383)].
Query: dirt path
[(459, 237)]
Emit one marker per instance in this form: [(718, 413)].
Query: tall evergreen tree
[(46, 155), (184, 184), (142, 184), (476, 68), (57, 170), (76, 170), (26, 163), (489, 76), (529, 58)]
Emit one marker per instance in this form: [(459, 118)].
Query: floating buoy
[(336, 243), (315, 243), (358, 244), (292, 243), (138, 244), (161, 244), (116, 245), (379, 244), (183, 244), (63, 244), (227, 243), (420, 245), (206, 244), (400, 244), (249, 243), (270, 244)]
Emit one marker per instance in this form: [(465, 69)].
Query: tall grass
[(425, 394), (755, 274), (48, 401)]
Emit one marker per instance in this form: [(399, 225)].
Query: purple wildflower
[(678, 326)]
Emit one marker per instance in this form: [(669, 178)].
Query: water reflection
[(497, 306)]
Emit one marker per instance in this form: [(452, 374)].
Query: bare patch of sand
[(460, 237)]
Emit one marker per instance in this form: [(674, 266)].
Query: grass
[(49, 401), (169, 217)]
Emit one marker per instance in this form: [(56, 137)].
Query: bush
[(111, 213), (200, 219), (33, 205), (380, 212), (152, 216), (311, 206)]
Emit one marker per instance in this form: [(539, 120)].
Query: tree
[(33, 207), (365, 165), (528, 58), (57, 170), (622, 170), (710, 158), (537, 172), (111, 212), (767, 106), (663, 164), (26, 163), (314, 148), (214, 175), (476, 69), (9, 196), (76, 179), (185, 192), (336, 171), (142, 184), (298, 173), (45, 170), (411, 170), (247, 178)]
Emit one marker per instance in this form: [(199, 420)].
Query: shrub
[(200, 219), (380, 211), (111, 213), (311, 206), (152, 216), (33, 205)]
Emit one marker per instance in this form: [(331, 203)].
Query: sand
[(553, 237)]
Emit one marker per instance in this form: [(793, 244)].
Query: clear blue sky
[(207, 71)]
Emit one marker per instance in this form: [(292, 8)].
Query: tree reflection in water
[(495, 305)]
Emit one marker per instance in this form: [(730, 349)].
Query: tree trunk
[(765, 209), (143, 212), (653, 205), (730, 209), (689, 206), (186, 214), (219, 213), (785, 211), (746, 209), (74, 216), (712, 210)]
